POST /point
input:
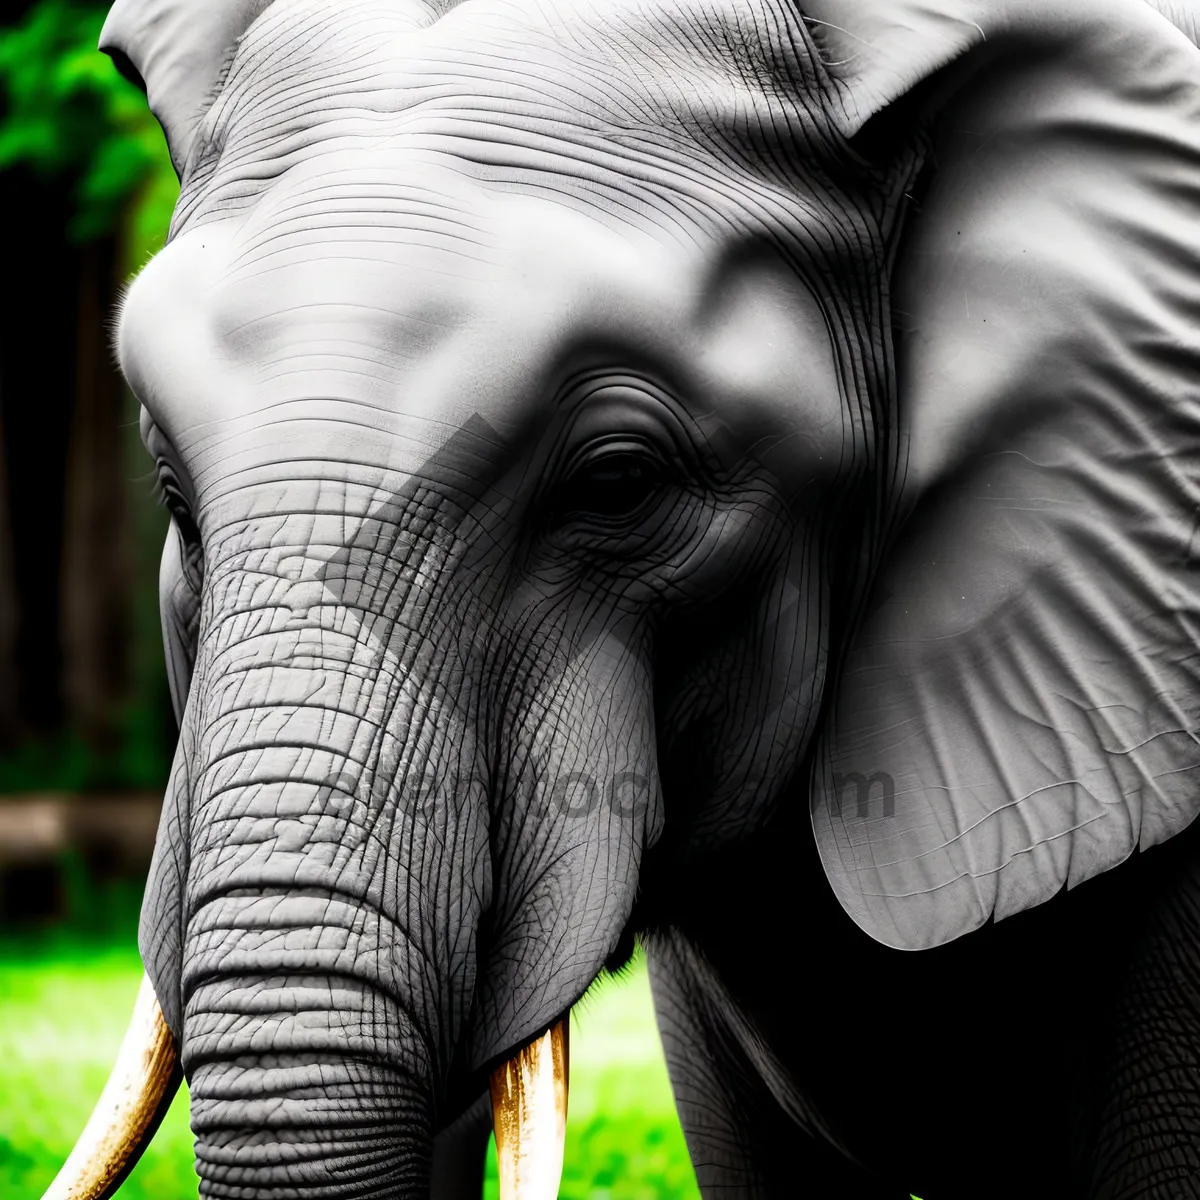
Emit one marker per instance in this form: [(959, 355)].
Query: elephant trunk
[(316, 1006), (312, 1029), (290, 1095)]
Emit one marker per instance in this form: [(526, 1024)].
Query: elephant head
[(555, 511)]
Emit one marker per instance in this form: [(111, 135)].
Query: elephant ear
[(176, 51), (1019, 709)]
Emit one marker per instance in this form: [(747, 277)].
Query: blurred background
[(86, 730)]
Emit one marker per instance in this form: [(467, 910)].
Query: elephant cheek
[(581, 805)]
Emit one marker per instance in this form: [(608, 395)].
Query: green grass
[(63, 1008)]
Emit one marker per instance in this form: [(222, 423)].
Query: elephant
[(719, 475)]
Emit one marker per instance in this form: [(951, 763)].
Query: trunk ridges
[(301, 1121)]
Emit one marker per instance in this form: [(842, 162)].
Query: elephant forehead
[(671, 113), (433, 314), (414, 246), (366, 316), (422, 218)]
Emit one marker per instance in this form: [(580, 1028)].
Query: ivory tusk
[(529, 1115), (144, 1079)]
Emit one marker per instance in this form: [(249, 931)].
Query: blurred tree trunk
[(97, 564), (37, 332), (8, 613), (65, 595)]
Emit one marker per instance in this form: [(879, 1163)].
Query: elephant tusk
[(144, 1079), (529, 1115)]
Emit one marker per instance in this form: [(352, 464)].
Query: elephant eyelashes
[(612, 484)]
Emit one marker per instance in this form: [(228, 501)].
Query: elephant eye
[(171, 496), (614, 483)]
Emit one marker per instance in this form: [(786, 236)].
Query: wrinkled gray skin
[(527, 477)]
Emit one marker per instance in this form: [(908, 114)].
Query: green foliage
[(69, 114)]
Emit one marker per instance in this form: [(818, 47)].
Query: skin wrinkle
[(378, 495), (609, 122)]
